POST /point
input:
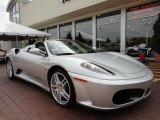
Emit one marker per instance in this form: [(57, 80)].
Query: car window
[(40, 45), (26, 49), (68, 47)]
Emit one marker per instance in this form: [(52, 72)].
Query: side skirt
[(32, 80)]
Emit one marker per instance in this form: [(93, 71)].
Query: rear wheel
[(62, 88), (9, 68)]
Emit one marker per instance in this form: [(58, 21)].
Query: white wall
[(40, 13), (6, 45)]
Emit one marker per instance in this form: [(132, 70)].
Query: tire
[(9, 68), (62, 89)]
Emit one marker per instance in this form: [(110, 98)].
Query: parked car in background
[(135, 50), (75, 73)]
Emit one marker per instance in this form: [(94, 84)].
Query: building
[(14, 8), (124, 26)]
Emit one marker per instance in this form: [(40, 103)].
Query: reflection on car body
[(75, 73)]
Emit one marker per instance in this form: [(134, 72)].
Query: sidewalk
[(155, 67)]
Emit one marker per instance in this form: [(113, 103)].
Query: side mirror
[(17, 51), (99, 49), (37, 51)]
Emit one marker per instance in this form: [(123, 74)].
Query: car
[(75, 73), (134, 51)]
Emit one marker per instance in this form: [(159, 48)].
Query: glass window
[(53, 31), (43, 30), (84, 31), (14, 9), (11, 14), (68, 47), (17, 17), (14, 18), (108, 32), (140, 22), (11, 17), (11, 11), (66, 31), (17, 6), (14, 13)]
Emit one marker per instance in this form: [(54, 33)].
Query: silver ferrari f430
[(75, 73)]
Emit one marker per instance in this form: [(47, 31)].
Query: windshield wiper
[(66, 54)]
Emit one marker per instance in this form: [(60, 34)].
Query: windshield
[(68, 47)]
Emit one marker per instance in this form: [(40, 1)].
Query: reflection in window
[(53, 32), (140, 30), (17, 17), (15, 12), (14, 18), (108, 32), (84, 31), (66, 31), (43, 30), (17, 7)]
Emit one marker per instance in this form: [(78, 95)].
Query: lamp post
[(101, 34), (147, 30)]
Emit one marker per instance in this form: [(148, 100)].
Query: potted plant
[(156, 40)]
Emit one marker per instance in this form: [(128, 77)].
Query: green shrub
[(156, 36)]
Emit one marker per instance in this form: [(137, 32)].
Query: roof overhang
[(94, 9)]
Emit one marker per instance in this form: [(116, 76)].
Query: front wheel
[(9, 68), (62, 88)]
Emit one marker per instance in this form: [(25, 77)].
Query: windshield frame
[(90, 49)]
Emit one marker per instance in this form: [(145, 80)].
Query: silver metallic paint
[(99, 90)]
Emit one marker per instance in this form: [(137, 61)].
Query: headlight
[(96, 68)]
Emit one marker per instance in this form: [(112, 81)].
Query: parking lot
[(20, 100)]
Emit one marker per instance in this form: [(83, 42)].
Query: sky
[(3, 5)]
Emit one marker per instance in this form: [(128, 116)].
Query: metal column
[(58, 33), (123, 31), (94, 32), (16, 41), (73, 30)]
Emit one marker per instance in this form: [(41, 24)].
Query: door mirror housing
[(99, 49), (37, 52)]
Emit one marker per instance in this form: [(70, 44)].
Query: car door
[(34, 65)]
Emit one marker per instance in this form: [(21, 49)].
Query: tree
[(80, 38), (108, 40), (69, 36), (156, 36)]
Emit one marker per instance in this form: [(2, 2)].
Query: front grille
[(128, 95)]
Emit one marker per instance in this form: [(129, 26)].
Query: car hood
[(114, 61)]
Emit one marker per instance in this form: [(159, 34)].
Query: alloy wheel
[(9, 69), (60, 88)]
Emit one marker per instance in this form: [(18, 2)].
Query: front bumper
[(100, 94)]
